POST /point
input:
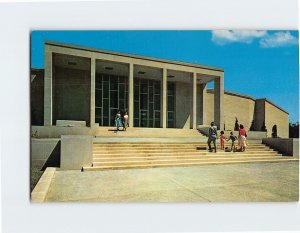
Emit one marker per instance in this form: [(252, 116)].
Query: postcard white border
[(19, 215)]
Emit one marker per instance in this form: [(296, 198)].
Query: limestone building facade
[(90, 85)]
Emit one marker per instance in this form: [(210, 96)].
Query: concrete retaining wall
[(45, 153), (57, 131), (286, 146), (76, 151)]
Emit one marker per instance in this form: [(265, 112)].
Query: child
[(222, 140), (233, 139)]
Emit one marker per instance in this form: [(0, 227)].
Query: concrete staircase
[(147, 132), (125, 155)]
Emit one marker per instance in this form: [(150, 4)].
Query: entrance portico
[(91, 85)]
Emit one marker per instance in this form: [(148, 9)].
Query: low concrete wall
[(45, 153), (57, 131), (41, 189), (286, 146), (76, 151)]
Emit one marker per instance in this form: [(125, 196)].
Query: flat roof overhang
[(70, 46)]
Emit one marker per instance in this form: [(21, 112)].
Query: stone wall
[(275, 116), (247, 109), (234, 106)]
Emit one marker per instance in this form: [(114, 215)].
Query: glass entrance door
[(147, 103)]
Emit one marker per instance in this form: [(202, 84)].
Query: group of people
[(213, 135), (121, 121)]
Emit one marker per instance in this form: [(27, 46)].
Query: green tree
[(294, 130)]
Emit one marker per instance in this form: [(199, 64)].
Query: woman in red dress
[(242, 138)]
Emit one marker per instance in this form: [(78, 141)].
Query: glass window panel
[(144, 87), (98, 112), (170, 115), (150, 82), (171, 103), (126, 100), (144, 119), (121, 90), (98, 100), (113, 112), (157, 115), (157, 102), (98, 120), (121, 104), (113, 84), (136, 92), (136, 122), (105, 108), (105, 90), (151, 110), (150, 123), (136, 109), (99, 82), (170, 124), (121, 79), (157, 88), (144, 101), (157, 124), (105, 78), (171, 88), (151, 94), (114, 99), (105, 121)]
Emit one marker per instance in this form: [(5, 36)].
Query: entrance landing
[(137, 132)]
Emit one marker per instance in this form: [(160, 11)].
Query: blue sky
[(262, 64)]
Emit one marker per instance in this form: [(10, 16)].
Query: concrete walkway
[(222, 183)]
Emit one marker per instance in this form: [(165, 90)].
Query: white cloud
[(222, 37), (278, 39)]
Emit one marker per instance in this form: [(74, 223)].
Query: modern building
[(88, 86)]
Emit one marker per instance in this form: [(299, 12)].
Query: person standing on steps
[(212, 136), (222, 140), (242, 138), (125, 121), (233, 139), (118, 120)]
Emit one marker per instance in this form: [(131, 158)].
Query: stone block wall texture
[(275, 116), (76, 152), (246, 110), (234, 106)]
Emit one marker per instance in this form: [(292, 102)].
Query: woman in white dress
[(125, 122)]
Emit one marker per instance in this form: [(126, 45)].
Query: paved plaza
[(209, 183)]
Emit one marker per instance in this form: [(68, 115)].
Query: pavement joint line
[(186, 187)]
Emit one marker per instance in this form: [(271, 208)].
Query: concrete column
[(93, 90), (194, 105), (48, 106), (218, 101), (130, 95), (164, 108), (201, 104)]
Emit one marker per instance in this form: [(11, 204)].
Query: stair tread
[(182, 164)]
